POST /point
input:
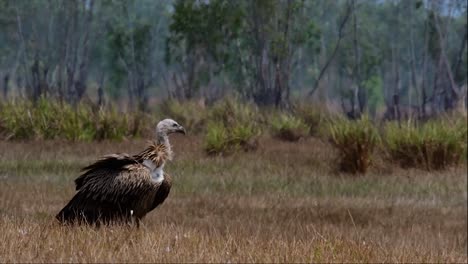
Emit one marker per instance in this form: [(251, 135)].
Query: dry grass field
[(283, 203)]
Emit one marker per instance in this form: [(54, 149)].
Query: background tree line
[(408, 57)]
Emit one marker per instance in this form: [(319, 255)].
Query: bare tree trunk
[(396, 108), (393, 108), (63, 56), (74, 53), (131, 95), (424, 98), (435, 85), (459, 57), (262, 89), (335, 49), (28, 82), (278, 86), (189, 89), (283, 62), (80, 84), (140, 91), (6, 80), (360, 94), (451, 95), (100, 91), (36, 79), (414, 83)]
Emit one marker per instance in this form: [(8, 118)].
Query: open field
[(283, 203)]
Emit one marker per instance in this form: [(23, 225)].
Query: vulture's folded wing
[(110, 189), (118, 186), (110, 163)]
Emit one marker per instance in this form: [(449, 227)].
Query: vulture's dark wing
[(112, 189), (163, 191), (113, 162)]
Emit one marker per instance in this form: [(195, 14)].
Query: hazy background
[(350, 55)]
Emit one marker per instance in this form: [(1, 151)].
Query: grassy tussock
[(288, 127), (312, 115), (355, 141), (54, 120), (436, 144), (233, 126)]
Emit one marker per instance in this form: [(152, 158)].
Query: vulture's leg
[(136, 221)]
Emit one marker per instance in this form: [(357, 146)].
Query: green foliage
[(216, 139), (289, 128), (355, 142), (434, 145), (312, 38), (202, 33), (374, 90), (54, 120), (127, 48), (233, 126), (111, 124), (191, 114)]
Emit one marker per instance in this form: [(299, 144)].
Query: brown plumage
[(122, 188)]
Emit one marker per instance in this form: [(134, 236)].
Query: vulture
[(120, 188)]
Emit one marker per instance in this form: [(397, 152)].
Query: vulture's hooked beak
[(181, 130)]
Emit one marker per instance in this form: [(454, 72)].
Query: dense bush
[(433, 145), (233, 126), (288, 127), (52, 120), (355, 142)]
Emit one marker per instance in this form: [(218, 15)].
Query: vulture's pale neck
[(163, 139)]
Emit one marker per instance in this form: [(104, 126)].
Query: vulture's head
[(169, 126)]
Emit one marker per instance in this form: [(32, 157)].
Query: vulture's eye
[(174, 125)]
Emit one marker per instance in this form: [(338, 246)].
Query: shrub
[(233, 126), (52, 120), (15, 120), (110, 124), (289, 128), (216, 138), (231, 111), (433, 145), (311, 115), (245, 137), (72, 124), (190, 114), (355, 142)]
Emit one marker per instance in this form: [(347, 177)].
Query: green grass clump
[(15, 120), (434, 145), (233, 126), (191, 114), (48, 119), (313, 116), (355, 141), (288, 127), (216, 138), (111, 124)]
